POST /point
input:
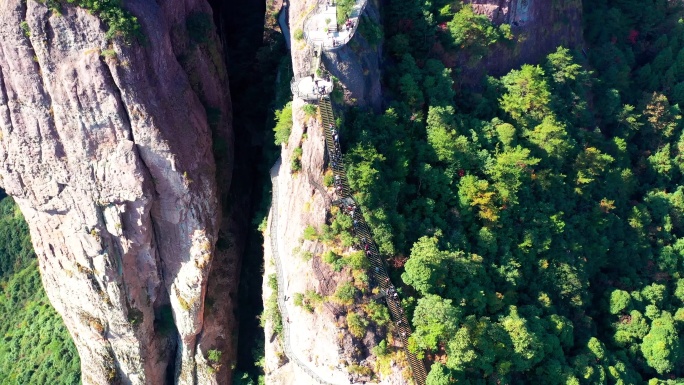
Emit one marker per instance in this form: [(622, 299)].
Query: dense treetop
[(36, 347), (542, 211)]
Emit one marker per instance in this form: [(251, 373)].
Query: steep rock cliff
[(539, 28), (320, 340), (107, 149), (357, 64)]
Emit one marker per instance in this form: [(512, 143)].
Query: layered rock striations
[(108, 151)]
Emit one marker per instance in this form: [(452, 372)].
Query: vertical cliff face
[(539, 26), (107, 149), (358, 63), (318, 347)]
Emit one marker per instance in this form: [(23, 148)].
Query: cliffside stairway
[(321, 33), (378, 270)]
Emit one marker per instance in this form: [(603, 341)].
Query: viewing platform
[(323, 33), (321, 28), (312, 87)]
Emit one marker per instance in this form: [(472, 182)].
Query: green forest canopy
[(543, 211), (36, 347)]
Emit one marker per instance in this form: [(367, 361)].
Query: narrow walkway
[(320, 25), (312, 87), (273, 230), (378, 271), (323, 34), (282, 22)]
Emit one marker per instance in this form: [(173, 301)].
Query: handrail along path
[(378, 270), (273, 230)]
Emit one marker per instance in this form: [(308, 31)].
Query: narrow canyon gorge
[(138, 178)]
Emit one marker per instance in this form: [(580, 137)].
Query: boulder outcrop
[(108, 150)]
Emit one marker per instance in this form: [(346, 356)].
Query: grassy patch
[(299, 34), (296, 160), (310, 110), (357, 324), (345, 294), (309, 300), (25, 28), (108, 53), (310, 233)]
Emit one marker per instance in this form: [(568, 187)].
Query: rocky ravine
[(109, 157)]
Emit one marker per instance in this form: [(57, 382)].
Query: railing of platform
[(331, 44)]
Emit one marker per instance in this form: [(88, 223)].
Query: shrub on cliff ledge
[(299, 34), (310, 233), (296, 160), (345, 294), (357, 325), (310, 110), (25, 28), (271, 310), (283, 125), (344, 9), (120, 22), (472, 31)]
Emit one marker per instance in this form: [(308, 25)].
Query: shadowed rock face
[(109, 157), (357, 65), (540, 27)]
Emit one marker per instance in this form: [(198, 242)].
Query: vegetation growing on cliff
[(36, 347), (542, 212), (283, 118), (258, 61), (119, 21)]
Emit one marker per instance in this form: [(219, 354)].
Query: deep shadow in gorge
[(253, 53)]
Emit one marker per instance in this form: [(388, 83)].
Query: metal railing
[(378, 270), (294, 87), (314, 94), (287, 348), (328, 44)]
